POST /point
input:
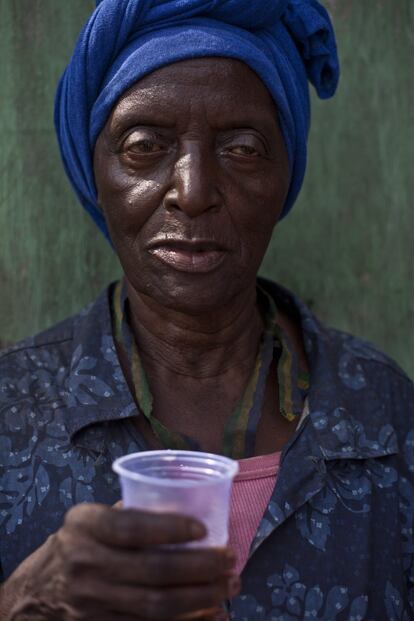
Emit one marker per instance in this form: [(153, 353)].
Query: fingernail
[(197, 530), (234, 585)]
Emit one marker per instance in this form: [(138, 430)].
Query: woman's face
[(192, 174)]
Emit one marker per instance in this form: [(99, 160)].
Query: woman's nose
[(194, 185)]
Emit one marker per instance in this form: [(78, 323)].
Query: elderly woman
[(183, 127)]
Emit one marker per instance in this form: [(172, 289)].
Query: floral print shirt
[(336, 541)]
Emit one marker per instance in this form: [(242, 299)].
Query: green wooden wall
[(347, 248)]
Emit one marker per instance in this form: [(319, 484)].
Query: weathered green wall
[(348, 246)]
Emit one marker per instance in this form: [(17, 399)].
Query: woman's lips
[(193, 258)]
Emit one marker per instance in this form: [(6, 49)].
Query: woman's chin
[(189, 293)]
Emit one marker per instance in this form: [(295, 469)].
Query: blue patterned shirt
[(336, 541)]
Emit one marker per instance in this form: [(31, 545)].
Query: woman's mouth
[(193, 256)]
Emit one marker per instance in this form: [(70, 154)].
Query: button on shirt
[(336, 539)]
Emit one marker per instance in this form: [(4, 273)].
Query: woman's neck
[(196, 345)]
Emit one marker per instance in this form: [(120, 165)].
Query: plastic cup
[(184, 482)]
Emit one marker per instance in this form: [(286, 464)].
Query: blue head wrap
[(286, 42)]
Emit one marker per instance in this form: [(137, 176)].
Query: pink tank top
[(252, 490)]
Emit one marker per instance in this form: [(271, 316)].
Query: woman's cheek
[(132, 205)]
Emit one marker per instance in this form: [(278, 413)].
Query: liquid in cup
[(186, 482)]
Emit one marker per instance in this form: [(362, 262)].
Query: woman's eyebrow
[(261, 124), (155, 118)]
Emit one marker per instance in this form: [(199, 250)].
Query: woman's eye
[(247, 146), (141, 145), (144, 146), (243, 150)]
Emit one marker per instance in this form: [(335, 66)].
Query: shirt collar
[(96, 388), (344, 410), (340, 402)]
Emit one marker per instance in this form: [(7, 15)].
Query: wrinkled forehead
[(225, 88)]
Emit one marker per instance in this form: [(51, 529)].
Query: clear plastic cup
[(189, 483)]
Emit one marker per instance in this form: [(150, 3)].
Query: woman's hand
[(104, 564)]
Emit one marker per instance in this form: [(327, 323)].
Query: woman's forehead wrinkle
[(168, 95), (145, 105)]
